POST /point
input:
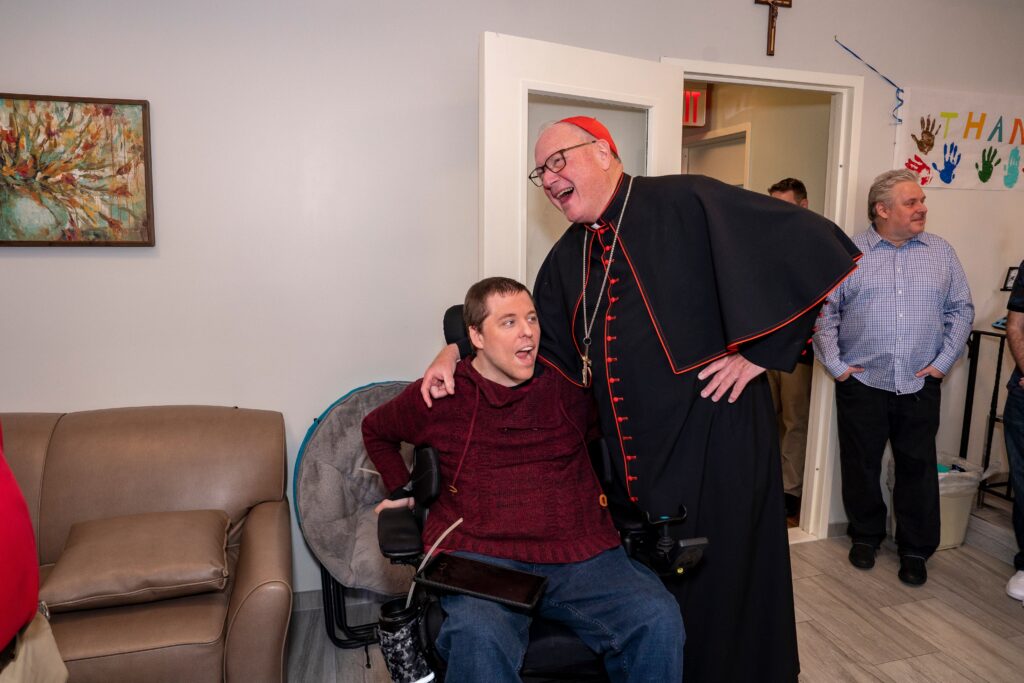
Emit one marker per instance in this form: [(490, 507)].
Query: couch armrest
[(261, 598)]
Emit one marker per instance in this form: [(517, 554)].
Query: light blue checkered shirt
[(903, 309)]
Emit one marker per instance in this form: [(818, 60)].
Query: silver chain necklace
[(588, 325)]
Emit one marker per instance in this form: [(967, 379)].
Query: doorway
[(753, 136), (821, 513)]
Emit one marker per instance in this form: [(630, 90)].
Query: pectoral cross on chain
[(588, 372), (773, 16)]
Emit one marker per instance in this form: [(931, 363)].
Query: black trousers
[(868, 418)]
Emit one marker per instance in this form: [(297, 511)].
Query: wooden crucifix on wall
[(773, 16)]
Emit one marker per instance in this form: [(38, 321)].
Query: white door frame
[(512, 68), (820, 481)]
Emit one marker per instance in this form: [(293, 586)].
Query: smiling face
[(905, 218), (506, 341), (582, 189)]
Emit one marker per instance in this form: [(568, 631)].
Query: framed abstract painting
[(75, 172)]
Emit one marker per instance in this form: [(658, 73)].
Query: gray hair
[(881, 189)]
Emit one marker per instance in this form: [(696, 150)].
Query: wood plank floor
[(852, 625)]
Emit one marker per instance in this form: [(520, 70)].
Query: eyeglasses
[(554, 163)]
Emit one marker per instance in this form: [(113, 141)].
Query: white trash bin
[(958, 489), (957, 492)]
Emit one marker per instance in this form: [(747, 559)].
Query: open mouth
[(525, 354), (564, 194)]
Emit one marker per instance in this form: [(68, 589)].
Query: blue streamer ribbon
[(899, 90)]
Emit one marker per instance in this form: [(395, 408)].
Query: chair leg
[(336, 620)]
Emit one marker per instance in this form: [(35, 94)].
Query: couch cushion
[(139, 558), (160, 642)]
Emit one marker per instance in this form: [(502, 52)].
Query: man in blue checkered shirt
[(889, 334)]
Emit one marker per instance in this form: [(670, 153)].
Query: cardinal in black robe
[(692, 288)]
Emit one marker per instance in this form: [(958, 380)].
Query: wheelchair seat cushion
[(336, 489)]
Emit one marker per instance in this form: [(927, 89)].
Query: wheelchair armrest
[(399, 535)]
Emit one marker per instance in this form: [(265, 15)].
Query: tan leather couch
[(104, 464)]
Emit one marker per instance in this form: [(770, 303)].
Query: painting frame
[(75, 172), (1011, 277)]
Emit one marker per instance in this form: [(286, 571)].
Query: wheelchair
[(336, 489), (554, 652)]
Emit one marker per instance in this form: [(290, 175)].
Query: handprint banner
[(962, 141)]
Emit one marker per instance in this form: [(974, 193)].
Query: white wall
[(315, 178)]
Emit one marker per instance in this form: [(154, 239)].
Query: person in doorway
[(515, 467), (667, 295), (1013, 428), (791, 391), (888, 335)]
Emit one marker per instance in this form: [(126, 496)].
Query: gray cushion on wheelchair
[(336, 489)]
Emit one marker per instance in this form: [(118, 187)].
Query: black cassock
[(699, 269)]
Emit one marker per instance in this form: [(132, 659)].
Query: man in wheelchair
[(515, 467)]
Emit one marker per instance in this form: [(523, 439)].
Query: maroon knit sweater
[(516, 459)]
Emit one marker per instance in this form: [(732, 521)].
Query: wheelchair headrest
[(454, 328)]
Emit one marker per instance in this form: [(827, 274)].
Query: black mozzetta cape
[(700, 269), (720, 269)]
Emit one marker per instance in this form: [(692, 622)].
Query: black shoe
[(792, 505), (912, 570), (862, 555)]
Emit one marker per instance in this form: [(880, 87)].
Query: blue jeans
[(1013, 429), (618, 607)]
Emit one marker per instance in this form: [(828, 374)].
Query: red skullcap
[(595, 128)]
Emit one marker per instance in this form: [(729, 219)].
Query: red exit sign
[(695, 102)]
